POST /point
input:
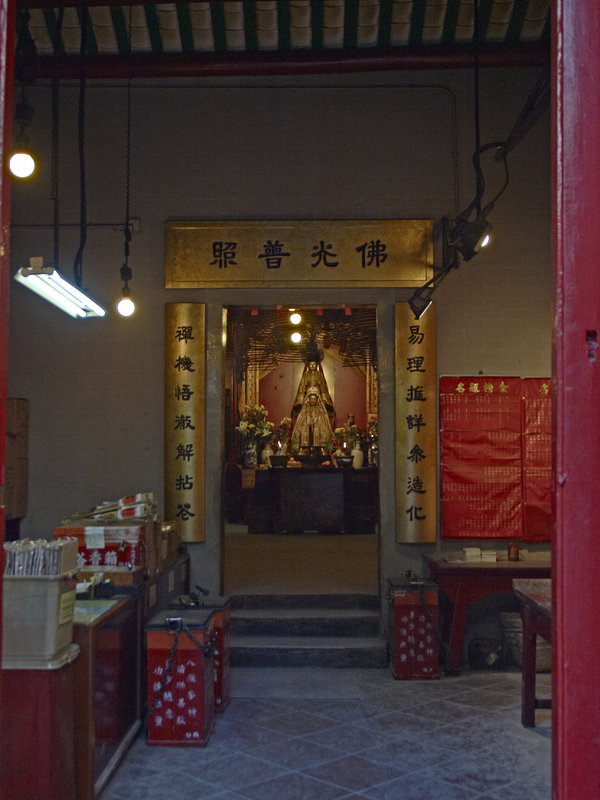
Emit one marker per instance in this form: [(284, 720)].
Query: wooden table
[(466, 582), (535, 599)]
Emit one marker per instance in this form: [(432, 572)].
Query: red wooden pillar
[(7, 35), (576, 551)]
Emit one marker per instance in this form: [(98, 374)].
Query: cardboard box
[(17, 464), (119, 576), (37, 616), (169, 538), (17, 418), (110, 546)]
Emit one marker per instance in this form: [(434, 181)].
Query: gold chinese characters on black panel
[(298, 253), (416, 426), (184, 418)]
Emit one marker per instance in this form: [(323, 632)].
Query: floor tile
[(287, 736), (354, 772)]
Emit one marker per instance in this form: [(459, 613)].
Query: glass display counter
[(107, 688)]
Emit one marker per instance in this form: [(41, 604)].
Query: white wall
[(372, 146)]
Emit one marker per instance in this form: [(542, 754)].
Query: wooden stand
[(535, 599)]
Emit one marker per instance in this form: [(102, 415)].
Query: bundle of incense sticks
[(39, 557)]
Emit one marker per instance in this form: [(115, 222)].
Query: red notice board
[(495, 458)]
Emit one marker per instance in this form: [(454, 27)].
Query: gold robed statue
[(313, 409), (312, 428)]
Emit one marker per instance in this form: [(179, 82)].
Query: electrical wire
[(78, 263)]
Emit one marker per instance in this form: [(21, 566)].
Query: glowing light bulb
[(21, 164), (126, 306)]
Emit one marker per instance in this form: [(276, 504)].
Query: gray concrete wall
[(388, 145)]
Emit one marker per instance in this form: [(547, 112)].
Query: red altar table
[(535, 600), (465, 582)]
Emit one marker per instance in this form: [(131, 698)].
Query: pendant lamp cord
[(78, 264), (125, 270), (479, 179), (127, 230), (55, 138)]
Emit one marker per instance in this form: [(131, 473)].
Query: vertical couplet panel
[(416, 426), (185, 401)]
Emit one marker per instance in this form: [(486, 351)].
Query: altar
[(315, 499)]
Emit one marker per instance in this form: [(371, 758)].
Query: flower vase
[(358, 458), (250, 455)]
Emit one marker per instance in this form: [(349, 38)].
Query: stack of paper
[(472, 553), (488, 556)]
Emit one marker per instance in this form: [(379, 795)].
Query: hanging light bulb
[(296, 337), (125, 306), (295, 317), (21, 161)]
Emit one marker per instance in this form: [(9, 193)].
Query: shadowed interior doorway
[(264, 370)]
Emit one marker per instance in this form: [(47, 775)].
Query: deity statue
[(312, 428), (313, 376)]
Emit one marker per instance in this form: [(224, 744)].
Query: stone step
[(306, 630), (304, 601), (309, 651), (305, 622)]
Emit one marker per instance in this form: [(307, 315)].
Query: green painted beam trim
[(121, 29), (417, 19), (385, 23), (153, 28), (283, 24), (449, 31), (91, 46), (316, 19), (350, 24), (250, 30), (52, 25), (185, 27), (217, 14)]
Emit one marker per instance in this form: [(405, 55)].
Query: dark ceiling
[(276, 36)]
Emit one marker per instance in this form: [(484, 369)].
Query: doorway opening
[(308, 525)]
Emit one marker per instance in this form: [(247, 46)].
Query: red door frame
[(576, 369), (576, 383), (7, 36)]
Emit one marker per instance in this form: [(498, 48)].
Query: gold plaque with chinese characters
[(184, 418), (416, 426), (298, 253)]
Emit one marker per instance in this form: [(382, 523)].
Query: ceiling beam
[(205, 65)]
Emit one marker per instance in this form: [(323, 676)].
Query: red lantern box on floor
[(222, 608), (412, 642), (180, 658)]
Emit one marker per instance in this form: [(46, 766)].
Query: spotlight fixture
[(422, 298), (50, 284), (470, 237)]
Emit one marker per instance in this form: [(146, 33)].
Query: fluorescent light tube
[(49, 284)]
